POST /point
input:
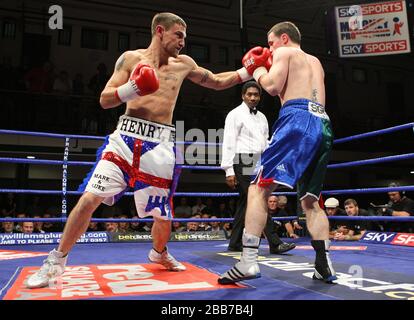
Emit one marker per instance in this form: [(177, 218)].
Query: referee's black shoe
[(283, 247)]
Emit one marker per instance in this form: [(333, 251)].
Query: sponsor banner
[(48, 238), (198, 236), (336, 248), (400, 239), (175, 236), (378, 237), (12, 254), (103, 281), (129, 236), (372, 29), (404, 239)]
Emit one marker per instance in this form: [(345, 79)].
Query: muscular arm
[(274, 81), (208, 79), (120, 76)]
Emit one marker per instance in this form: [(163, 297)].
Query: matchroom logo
[(102, 281)]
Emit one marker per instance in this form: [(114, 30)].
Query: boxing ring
[(378, 267)]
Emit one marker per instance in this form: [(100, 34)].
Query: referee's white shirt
[(244, 132)]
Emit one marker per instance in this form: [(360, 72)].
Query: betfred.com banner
[(372, 29)]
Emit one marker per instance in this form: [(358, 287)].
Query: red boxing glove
[(256, 60), (142, 81)]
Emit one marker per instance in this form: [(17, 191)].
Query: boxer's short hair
[(250, 84), (289, 28), (167, 20)]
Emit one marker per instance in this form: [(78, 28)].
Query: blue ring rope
[(230, 194), (400, 157), (340, 140), (117, 220)]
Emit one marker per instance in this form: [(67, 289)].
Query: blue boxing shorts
[(299, 150), (139, 155)]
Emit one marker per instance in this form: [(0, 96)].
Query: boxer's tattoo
[(205, 77), (315, 95), (120, 62)]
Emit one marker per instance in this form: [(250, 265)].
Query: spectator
[(398, 206), (93, 227), (352, 230), (51, 226), (99, 79), (38, 225), (199, 206), (227, 227), (147, 227), (40, 79), (209, 208), (111, 226), (9, 205), (177, 227), (136, 226), (19, 226), (27, 227), (332, 209), (222, 210), (78, 87), (183, 210), (123, 226), (204, 226), (284, 228), (34, 208), (192, 226), (7, 226), (283, 205), (215, 226)]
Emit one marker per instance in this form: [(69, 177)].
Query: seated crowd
[(278, 207)]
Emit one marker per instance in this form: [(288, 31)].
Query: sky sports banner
[(372, 29), (394, 238)]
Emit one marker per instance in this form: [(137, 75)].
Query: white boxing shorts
[(140, 156)]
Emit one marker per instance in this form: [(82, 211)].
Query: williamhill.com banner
[(372, 29)]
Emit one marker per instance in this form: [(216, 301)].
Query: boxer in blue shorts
[(299, 150), (140, 153)]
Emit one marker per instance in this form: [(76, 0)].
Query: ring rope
[(374, 133), (400, 157), (230, 194), (117, 220), (340, 140)]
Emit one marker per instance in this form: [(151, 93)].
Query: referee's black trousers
[(243, 180)]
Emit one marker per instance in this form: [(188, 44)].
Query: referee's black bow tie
[(253, 110)]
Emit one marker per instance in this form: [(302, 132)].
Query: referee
[(245, 137)]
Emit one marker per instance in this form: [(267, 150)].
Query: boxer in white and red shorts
[(140, 155)]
